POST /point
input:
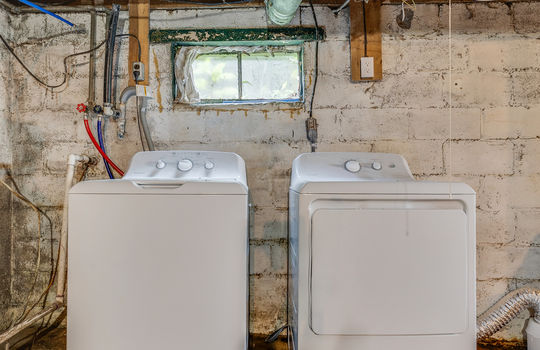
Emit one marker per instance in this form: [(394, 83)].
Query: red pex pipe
[(96, 144)]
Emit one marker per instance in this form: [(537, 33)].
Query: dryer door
[(389, 268)]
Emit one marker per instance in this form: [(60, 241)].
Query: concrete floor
[(56, 340)]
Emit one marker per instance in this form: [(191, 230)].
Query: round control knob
[(376, 166), (353, 166), (161, 164), (185, 165), (208, 165)]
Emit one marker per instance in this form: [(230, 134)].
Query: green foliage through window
[(232, 75)]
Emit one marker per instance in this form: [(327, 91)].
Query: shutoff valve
[(81, 108)]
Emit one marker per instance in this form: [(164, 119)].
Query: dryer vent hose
[(507, 309)]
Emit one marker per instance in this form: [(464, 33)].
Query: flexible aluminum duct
[(281, 12), (507, 309)]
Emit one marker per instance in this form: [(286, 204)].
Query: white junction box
[(159, 259), (377, 260)]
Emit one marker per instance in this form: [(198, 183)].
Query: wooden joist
[(139, 25), (365, 43)]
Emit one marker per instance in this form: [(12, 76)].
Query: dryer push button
[(353, 166)]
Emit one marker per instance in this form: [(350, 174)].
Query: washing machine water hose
[(102, 145), (96, 144)]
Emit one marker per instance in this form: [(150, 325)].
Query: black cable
[(311, 123), (135, 37), (365, 27), (64, 80), (316, 72)]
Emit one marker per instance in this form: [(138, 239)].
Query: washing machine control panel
[(197, 166)]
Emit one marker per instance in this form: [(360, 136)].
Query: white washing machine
[(159, 259), (379, 261)]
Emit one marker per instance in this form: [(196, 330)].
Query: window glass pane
[(274, 76), (216, 76)]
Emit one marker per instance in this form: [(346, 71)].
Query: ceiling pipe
[(281, 12)]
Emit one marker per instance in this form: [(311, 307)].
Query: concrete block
[(477, 18), (374, 124), (477, 157), (260, 259), (511, 122), (528, 227), (527, 157), (508, 262), (434, 123), (269, 224), (489, 292), (495, 226), (525, 88), (208, 18), (526, 18), (481, 90), (424, 157), (267, 303), (419, 90), (425, 21)]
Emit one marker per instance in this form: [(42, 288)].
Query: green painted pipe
[(282, 12)]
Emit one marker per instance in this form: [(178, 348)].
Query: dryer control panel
[(349, 167), (187, 166)]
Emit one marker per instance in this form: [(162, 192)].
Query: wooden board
[(139, 25), (358, 38)]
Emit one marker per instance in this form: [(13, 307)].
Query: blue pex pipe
[(37, 7), (102, 145)]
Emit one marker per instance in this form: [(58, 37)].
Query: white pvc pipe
[(533, 335), (73, 159)]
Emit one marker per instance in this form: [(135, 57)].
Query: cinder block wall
[(493, 144), (5, 162)]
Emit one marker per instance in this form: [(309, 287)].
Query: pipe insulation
[(509, 308), (281, 12)]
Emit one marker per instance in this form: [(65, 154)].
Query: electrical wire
[(365, 28), (139, 124), (136, 38), (64, 80), (102, 145), (316, 72), (96, 144), (40, 213)]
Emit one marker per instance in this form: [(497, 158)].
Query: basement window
[(238, 74)]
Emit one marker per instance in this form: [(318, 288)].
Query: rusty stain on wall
[(158, 79)]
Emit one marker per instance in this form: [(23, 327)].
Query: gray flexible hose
[(507, 309)]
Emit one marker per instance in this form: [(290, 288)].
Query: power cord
[(132, 36), (311, 123), (64, 80)]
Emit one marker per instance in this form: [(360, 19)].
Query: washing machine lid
[(362, 173), (176, 172)]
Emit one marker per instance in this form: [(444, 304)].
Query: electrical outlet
[(367, 67), (138, 71)]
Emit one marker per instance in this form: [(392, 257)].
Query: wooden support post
[(139, 25), (373, 36)]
